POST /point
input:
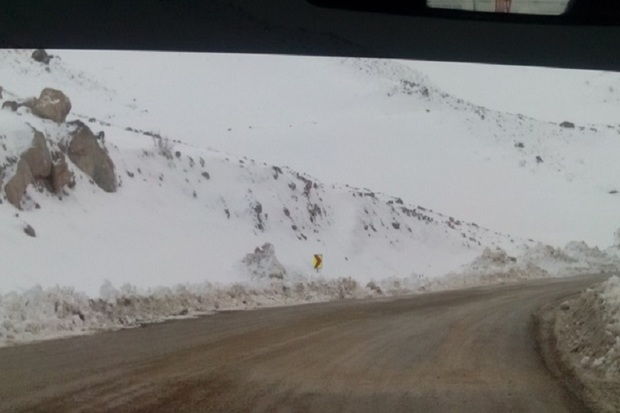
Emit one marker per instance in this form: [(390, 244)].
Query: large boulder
[(16, 187), (52, 104), (85, 152), (38, 156)]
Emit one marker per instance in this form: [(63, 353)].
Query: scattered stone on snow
[(567, 124), (30, 231)]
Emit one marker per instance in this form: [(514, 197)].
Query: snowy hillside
[(365, 123), (583, 96), (182, 214), (215, 156)]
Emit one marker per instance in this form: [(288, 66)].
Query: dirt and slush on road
[(464, 351)]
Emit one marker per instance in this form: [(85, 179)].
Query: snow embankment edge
[(552, 332)]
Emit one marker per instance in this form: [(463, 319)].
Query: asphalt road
[(459, 351)]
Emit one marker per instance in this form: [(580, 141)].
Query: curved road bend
[(457, 351)]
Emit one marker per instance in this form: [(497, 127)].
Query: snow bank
[(263, 263), (43, 313), (539, 261), (609, 292), (39, 313), (611, 296), (586, 332), (589, 329)]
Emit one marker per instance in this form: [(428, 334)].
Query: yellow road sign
[(318, 261)]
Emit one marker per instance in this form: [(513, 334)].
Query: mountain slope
[(190, 215), (366, 123)]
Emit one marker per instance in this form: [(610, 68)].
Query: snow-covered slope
[(350, 158), (190, 215), (366, 123), (583, 96)]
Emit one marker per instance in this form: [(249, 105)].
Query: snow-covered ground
[(381, 166), (365, 123), (555, 95)]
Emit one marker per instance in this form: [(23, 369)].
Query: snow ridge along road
[(471, 350)]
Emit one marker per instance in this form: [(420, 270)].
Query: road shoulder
[(568, 329)]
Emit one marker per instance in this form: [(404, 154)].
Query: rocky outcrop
[(52, 104), (35, 164), (85, 152)]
